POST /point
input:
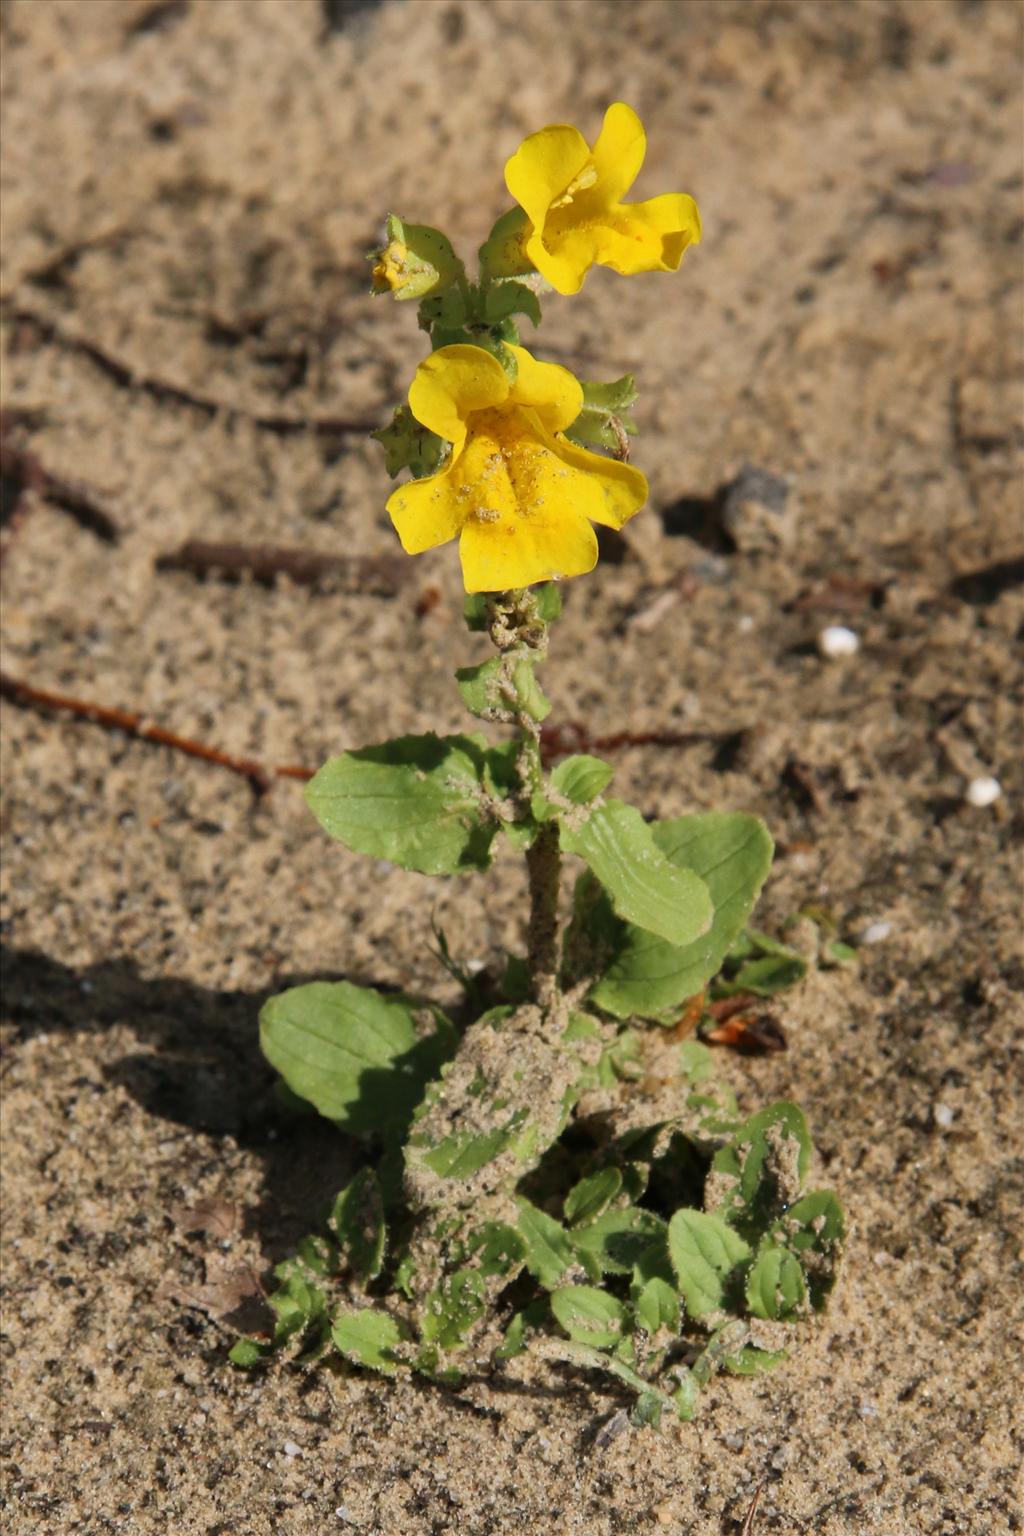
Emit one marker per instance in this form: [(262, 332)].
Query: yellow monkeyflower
[(519, 496), (572, 196)]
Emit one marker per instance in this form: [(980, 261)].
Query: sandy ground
[(190, 188)]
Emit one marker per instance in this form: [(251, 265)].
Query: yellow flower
[(518, 495), (571, 195)]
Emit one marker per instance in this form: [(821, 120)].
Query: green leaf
[(814, 1229), (644, 886), (775, 1285), (369, 1337), (589, 1316), (454, 1308), (704, 1252), (528, 1321), (494, 688), (695, 1061), (249, 1352), (464, 1153), (684, 1398), (549, 602), (357, 1221), (498, 1249), (619, 395), (590, 1197), (646, 1411), (764, 976), (298, 1301), (355, 1054), (415, 800), (409, 445), (760, 964), (476, 610), (604, 421), (752, 1361), (617, 1239), (732, 854), (549, 1249), (657, 1306), (578, 779), (510, 298), (815, 1221), (765, 1136)]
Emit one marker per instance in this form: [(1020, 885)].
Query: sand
[(190, 190)]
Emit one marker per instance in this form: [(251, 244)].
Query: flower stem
[(544, 865)]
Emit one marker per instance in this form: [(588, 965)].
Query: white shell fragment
[(944, 1116), (837, 641), (876, 933), (983, 791)]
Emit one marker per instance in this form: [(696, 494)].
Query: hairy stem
[(544, 865)]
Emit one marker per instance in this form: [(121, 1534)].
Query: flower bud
[(415, 261)]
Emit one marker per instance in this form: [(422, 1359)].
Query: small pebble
[(291, 1449), (876, 933), (943, 1116), (983, 791), (745, 623), (837, 641)]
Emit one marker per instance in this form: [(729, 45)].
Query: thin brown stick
[(382, 575), (259, 775), (29, 475), (572, 736), (18, 692), (126, 377), (748, 1524)]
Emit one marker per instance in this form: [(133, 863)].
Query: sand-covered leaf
[(357, 1221), (370, 1337), (704, 1250), (775, 1285), (589, 1316)]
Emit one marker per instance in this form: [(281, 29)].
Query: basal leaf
[(732, 854), (643, 885), (549, 1249), (453, 1308), (617, 1239), (704, 1252), (369, 1337), (775, 1285), (415, 800), (589, 1316), (355, 1054), (590, 1197), (657, 1306), (357, 1221)]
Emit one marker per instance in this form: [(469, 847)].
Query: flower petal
[(648, 237), (517, 552), (619, 152), (427, 512), (555, 394), (567, 259), (450, 384), (604, 490), (542, 168)]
